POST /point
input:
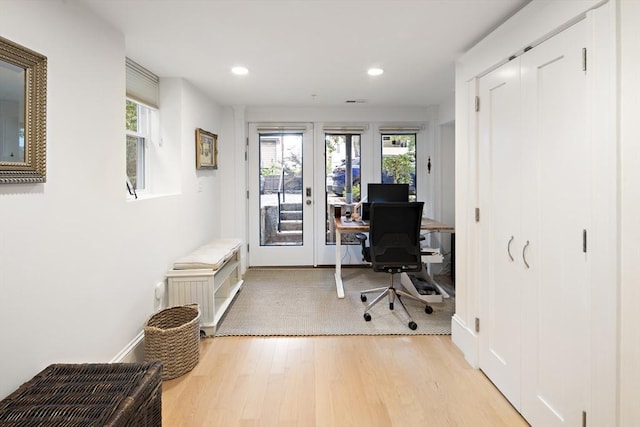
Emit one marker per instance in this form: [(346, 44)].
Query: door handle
[(308, 202), (509, 248), (524, 257), (308, 191)]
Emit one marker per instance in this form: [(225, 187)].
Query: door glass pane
[(281, 189), (399, 161), (342, 173)]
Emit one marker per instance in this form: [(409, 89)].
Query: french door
[(281, 195), (298, 177)]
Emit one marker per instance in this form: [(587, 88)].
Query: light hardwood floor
[(340, 381)]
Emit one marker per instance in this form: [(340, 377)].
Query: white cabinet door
[(500, 195), (534, 198), (555, 351)]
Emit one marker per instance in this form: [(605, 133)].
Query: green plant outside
[(400, 167)]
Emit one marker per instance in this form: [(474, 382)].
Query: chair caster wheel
[(413, 326), (363, 297), (428, 309), (367, 317)]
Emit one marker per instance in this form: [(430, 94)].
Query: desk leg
[(339, 286)]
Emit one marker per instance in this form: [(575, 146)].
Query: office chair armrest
[(361, 237)]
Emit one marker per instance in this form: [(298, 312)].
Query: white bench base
[(212, 290)]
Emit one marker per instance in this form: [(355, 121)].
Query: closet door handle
[(509, 248), (524, 253)]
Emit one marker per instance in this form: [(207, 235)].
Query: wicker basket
[(76, 395), (172, 336)]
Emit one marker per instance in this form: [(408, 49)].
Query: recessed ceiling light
[(375, 71), (239, 71)]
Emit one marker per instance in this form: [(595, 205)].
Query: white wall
[(78, 261), (447, 192), (447, 110)]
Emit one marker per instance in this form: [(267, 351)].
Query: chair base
[(392, 293)]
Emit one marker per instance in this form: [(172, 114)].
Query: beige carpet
[(298, 302)]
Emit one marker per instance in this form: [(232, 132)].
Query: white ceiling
[(307, 52)]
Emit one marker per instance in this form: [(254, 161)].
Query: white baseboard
[(465, 339), (133, 352)]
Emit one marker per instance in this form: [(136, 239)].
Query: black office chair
[(394, 234)]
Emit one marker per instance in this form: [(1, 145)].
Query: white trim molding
[(133, 352)]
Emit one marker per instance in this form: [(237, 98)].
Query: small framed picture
[(206, 149)]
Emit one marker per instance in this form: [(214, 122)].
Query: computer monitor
[(387, 192), (383, 193)]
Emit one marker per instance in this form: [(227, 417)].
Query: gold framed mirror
[(23, 114)]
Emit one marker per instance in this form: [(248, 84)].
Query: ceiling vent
[(356, 101)]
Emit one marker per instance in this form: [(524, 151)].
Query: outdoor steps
[(288, 207), (290, 223), (291, 220), (291, 215), (293, 236)]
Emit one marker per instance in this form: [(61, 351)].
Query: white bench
[(210, 276)]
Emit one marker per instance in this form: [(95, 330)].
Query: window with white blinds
[(142, 85), (142, 127)]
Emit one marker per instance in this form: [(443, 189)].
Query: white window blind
[(401, 129), (342, 129), (142, 84), (280, 128)]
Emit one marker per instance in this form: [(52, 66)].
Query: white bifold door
[(534, 161)]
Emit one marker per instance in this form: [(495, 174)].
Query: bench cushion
[(210, 256)]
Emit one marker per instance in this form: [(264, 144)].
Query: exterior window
[(142, 129), (399, 161), (139, 125)]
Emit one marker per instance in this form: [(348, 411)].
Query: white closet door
[(500, 191), (555, 214)]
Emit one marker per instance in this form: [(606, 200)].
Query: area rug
[(303, 302)]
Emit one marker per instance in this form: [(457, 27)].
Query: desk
[(343, 226)]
